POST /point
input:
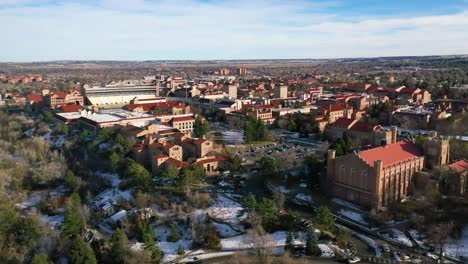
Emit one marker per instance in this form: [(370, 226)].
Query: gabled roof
[(199, 141), (333, 108), (459, 166), (343, 122), (35, 98), (366, 127), (392, 154), (71, 108), (160, 156), (177, 163)]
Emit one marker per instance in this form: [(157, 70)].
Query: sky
[(43, 30)]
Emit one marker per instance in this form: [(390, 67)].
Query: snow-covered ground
[(326, 251), (346, 204), (458, 248), (225, 184), (282, 189), (196, 257), (112, 177), (170, 248), (225, 230), (32, 201), (303, 185), (397, 236), (52, 221), (358, 217), (370, 242), (277, 239), (416, 236), (304, 197), (114, 194), (224, 210)]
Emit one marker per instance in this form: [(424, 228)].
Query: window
[(342, 173), (352, 176), (364, 179)]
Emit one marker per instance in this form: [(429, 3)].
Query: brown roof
[(365, 127), (343, 122), (392, 154), (177, 163), (71, 108), (36, 98), (160, 156), (182, 119)]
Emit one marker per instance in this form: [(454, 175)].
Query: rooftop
[(392, 154), (459, 166)]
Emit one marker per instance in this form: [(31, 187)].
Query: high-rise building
[(281, 91), (230, 90), (241, 71), (224, 71)]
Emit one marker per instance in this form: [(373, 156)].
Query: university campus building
[(378, 177)]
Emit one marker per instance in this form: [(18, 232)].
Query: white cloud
[(188, 29)]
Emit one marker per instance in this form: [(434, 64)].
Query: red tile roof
[(366, 127), (160, 156), (71, 108), (459, 166), (199, 141), (182, 119), (333, 108), (35, 98), (343, 122), (392, 154), (177, 163)]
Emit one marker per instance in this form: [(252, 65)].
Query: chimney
[(394, 131), (378, 165)]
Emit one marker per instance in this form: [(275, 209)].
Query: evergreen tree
[(235, 163), (292, 125), (174, 235), (289, 242), (41, 259), (324, 219), (115, 161), (82, 253), (71, 181), (149, 239), (73, 222), (119, 251), (255, 130), (180, 250), (200, 127), (312, 248)]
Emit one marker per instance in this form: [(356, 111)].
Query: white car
[(354, 259)]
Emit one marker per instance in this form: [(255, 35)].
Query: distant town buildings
[(241, 71)]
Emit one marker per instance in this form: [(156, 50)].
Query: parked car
[(354, 259)]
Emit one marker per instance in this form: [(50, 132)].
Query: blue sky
[(39, 30)]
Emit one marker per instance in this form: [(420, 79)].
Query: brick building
[(378, 177)]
